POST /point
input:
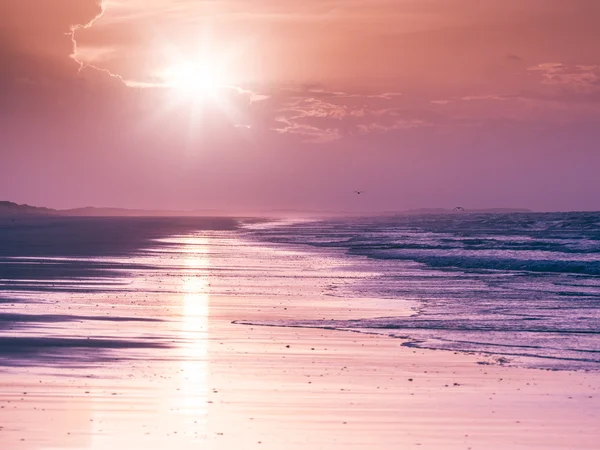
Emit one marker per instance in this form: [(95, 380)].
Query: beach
[(159, 346), (299, 225)]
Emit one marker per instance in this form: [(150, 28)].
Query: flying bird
[(459, 208), (358, 192)]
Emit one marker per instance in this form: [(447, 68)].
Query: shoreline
[(221, 385)]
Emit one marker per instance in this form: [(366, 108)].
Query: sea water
[(523, 288)]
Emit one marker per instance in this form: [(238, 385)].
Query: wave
[(491, 263), (536, 348), (487, 283)]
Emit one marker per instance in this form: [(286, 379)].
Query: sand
[(176, 372)]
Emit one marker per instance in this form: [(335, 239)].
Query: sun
[(191, 79)]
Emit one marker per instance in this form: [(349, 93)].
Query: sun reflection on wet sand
[(174, 411), (194, 331)]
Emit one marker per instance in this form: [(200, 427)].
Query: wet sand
[(147, 357)]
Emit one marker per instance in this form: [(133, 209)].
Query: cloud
[(316, 114), (74, 28), (80, 48), (308, 133), (469, 98), (41, 31), (401, 124), (387, 95), (314, 107), (319, 115), (580, 78)]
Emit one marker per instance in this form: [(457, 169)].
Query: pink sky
[(421, 103)]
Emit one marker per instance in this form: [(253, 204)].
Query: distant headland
[(13, 209), (8, 208)]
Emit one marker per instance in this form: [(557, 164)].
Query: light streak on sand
[(194, 362)]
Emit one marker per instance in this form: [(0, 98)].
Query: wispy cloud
[(469, 98), (319, 115), (583, 78), (401, 124), (308, 133)]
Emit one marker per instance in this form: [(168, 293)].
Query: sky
[(257, 105)]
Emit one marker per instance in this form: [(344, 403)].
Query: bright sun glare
[(194, 79)]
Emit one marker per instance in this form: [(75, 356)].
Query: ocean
[(519, 289), (523, 288)]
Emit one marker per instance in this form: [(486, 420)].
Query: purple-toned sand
[(152, 346)]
